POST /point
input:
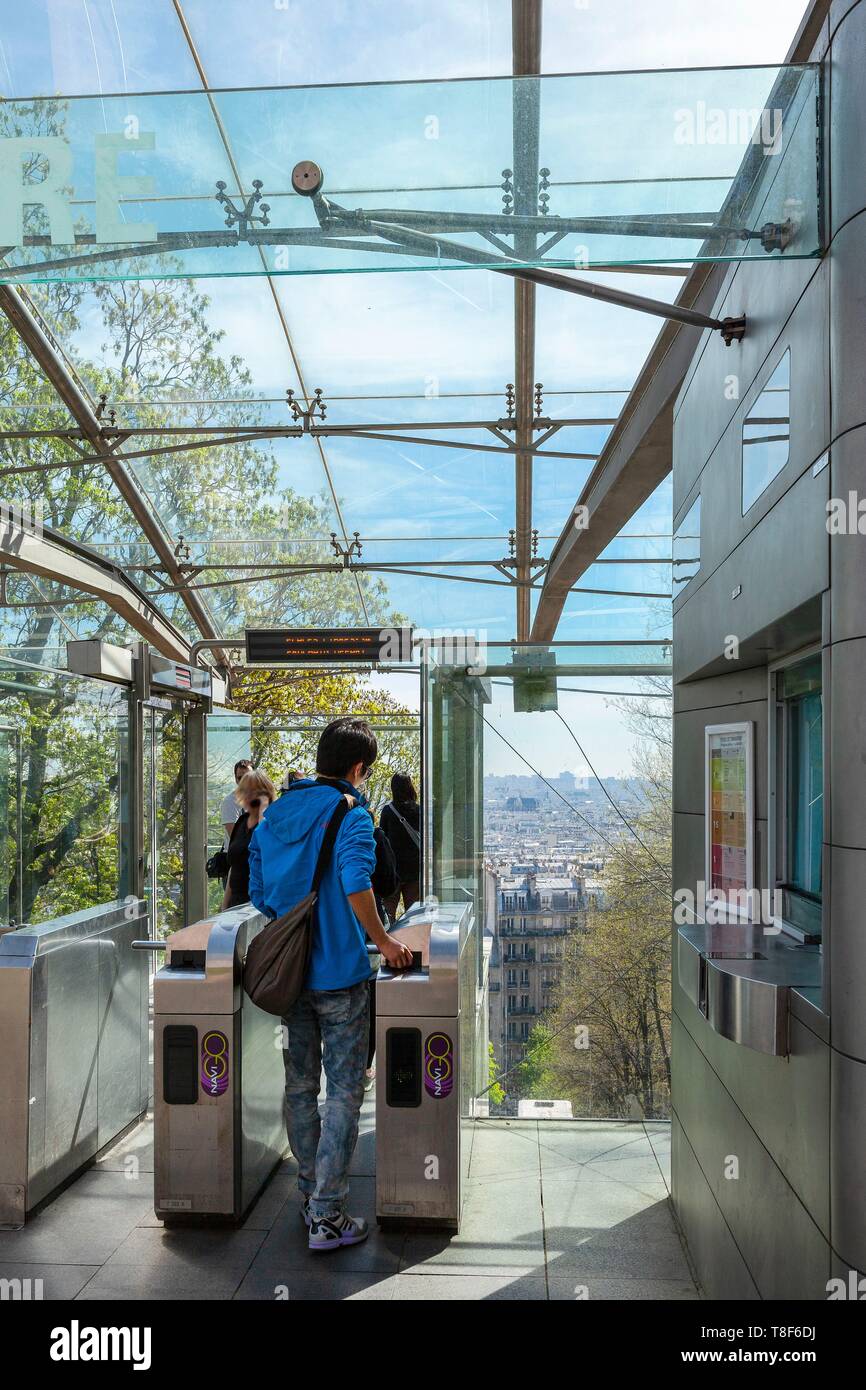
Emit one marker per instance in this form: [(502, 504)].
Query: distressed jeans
[(325, 1028)]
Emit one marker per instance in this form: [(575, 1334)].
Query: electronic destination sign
[(323, 646)]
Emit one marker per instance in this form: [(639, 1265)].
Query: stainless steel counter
[(743, 979)]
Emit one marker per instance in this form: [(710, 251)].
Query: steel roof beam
[(34, 337), (52, 556), (526, 100)]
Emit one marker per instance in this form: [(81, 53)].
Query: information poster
[(730, 825)]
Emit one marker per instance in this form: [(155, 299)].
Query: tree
[(536, 1076), (495, 1092), (615, 978), (279, 700)]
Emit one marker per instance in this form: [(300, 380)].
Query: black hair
[(344, 743), (242, 762), (403, 788)]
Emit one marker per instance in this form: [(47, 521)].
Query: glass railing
[(568, 171), (564, 800)]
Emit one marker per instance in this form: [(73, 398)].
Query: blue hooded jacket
[(283, 852)]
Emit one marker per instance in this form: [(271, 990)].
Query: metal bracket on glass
[(244, 218), (345, 552), (307, 415), (404, 228)]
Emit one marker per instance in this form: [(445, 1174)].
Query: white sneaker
[(369, 1078), (329, 1233)]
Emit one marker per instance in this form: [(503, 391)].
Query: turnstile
[(419, 1180), (74, 1043), (218, 1076)]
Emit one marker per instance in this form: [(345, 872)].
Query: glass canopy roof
[(257, 509), (557, 171)]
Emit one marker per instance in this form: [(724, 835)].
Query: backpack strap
[(332, 830)]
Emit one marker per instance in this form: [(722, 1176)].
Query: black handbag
[(278, 958), (218, 865)]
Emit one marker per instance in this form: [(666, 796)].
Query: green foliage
[(495, 1093), (615, 980), (535, 1077), (279, 699)]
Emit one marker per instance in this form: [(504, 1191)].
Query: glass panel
[(767, 434), (74, 750), (604, 169), (805, 793), (164, 793), (687, 547), (228, 741), (8, 825), (572, 755)]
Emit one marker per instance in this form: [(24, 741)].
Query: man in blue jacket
[(328, 1025)]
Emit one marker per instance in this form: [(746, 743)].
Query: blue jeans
[(325, 1028)]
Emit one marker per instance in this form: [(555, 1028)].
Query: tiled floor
[(554, 1210)]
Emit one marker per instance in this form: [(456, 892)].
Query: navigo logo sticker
[(438, 1065), (214, 1063)]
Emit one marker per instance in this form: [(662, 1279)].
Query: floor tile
[(318, 1285), (468, 1288), (200, 1259), (649, 1260), (627, 1290), (43, 1282), (75, 1229)]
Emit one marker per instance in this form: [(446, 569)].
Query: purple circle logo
[(214, 1063), (438, 1065)]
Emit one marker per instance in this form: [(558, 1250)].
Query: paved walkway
[(555, 1210)]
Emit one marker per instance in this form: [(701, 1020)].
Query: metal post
[(139, 789), (195, 821)]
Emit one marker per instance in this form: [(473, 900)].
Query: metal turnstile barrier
[(74, 1042), (218, 1076), (419, 1179)]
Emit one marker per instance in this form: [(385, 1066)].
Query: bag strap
[(341, 810), (410, 829)]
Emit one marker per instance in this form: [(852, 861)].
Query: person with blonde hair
[(255, 793)]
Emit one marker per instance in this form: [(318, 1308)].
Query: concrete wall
[(796, 1216)]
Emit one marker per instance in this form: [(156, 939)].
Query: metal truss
[(196, 437), (389, 231)]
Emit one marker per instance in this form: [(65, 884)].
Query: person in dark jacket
[(401, 823), (328, 1025), (254, 795)]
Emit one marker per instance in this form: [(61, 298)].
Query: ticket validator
[(218, 1076), (418, 1078)]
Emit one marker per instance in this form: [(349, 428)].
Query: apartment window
[(799, 785), (524, 977), (767, 434), (524, 1031), (512, 1001), (687, 547), (524, 1001), (512, 977)]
